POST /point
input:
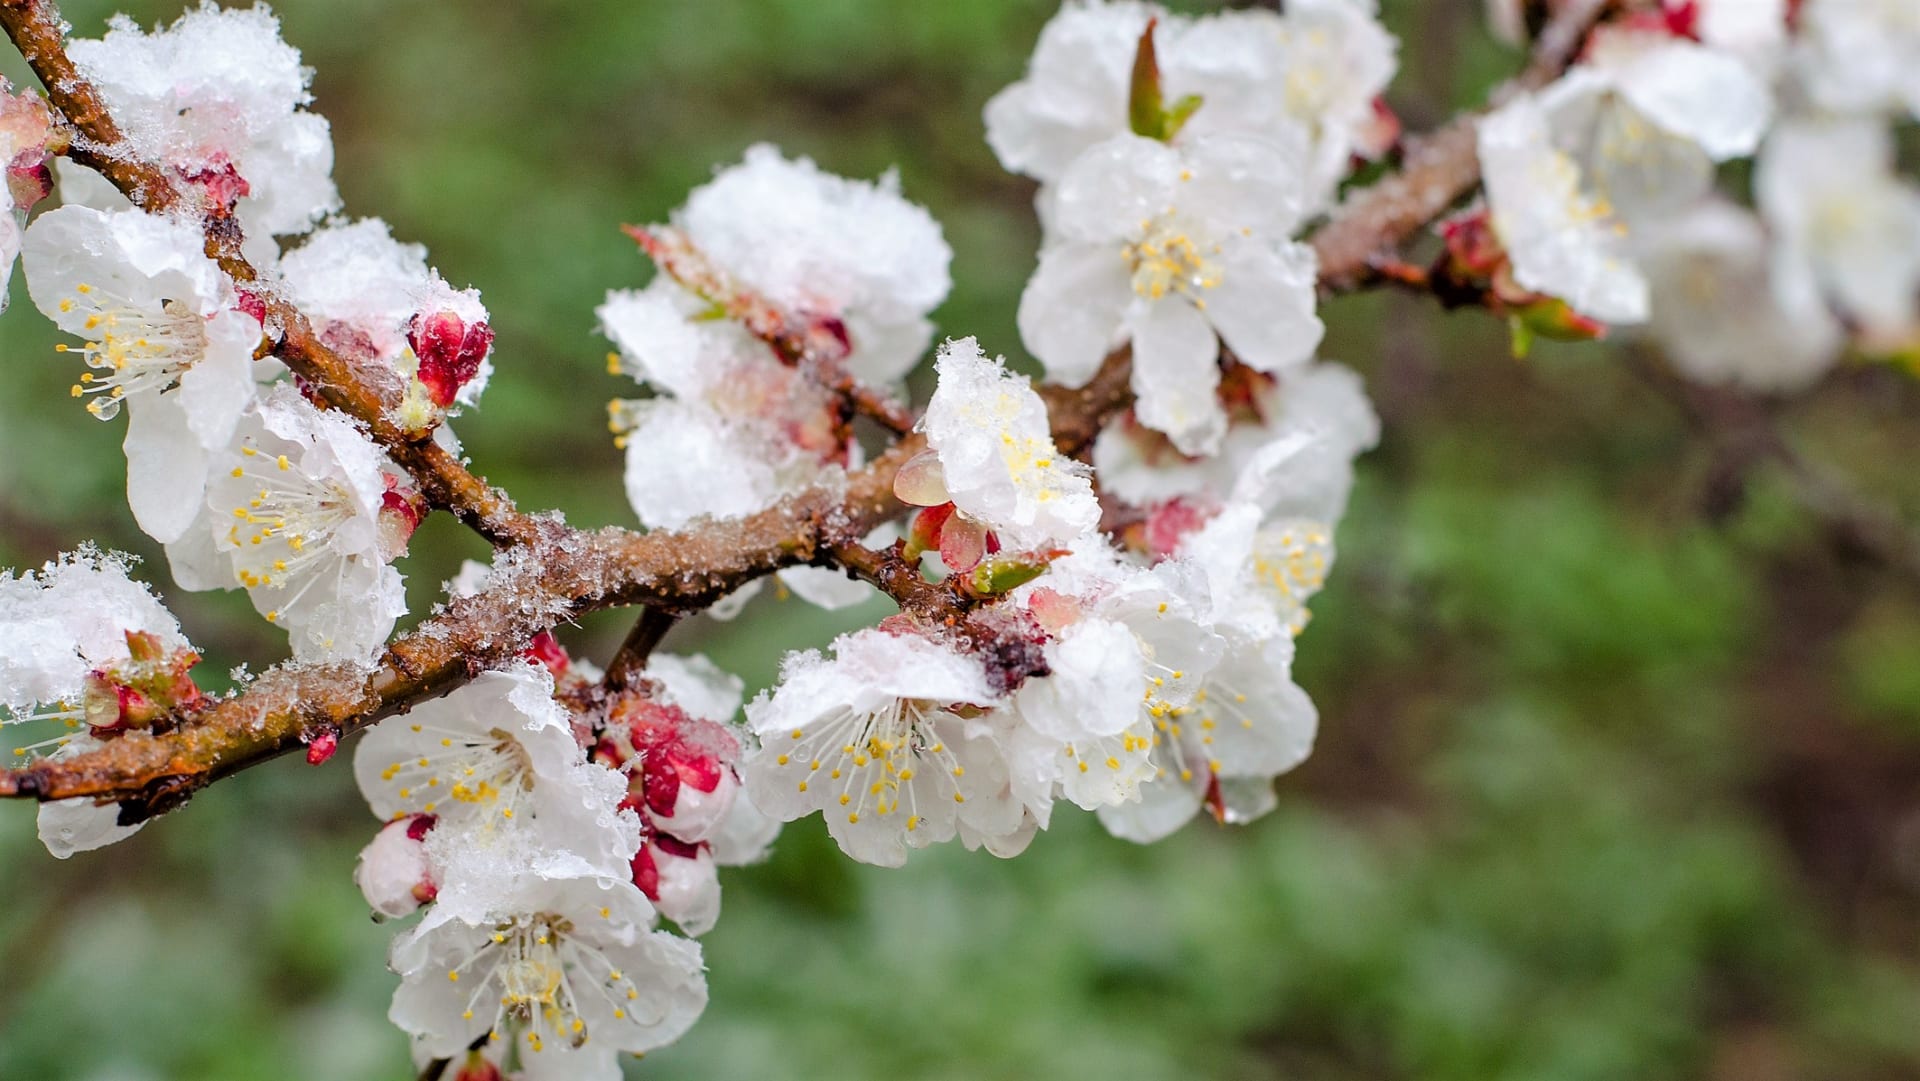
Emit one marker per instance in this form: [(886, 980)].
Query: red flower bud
[(450, 350)]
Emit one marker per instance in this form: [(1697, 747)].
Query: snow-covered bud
[(150, 684), (451, 350), (546, 650), (401, 511), (681, 769), (681, 880), (392, 873)]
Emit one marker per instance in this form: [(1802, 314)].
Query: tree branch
[(548, 572)]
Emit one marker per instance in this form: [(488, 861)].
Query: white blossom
[(298, 515), (1646, 115), (1265, 462), (1248, 723), (822, 246), (1133, 653), (988, 433), (1828, 192), (67, 620), (885, 741), (1259, 574), (1860, 56), (1311, 75), (163, 338), (1562, 238), (1726, 310), (1336, 60), (393, 871), (58, 627), (219, 89), (497, 764), (569, 967), (1160, 247)]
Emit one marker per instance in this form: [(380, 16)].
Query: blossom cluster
[(1108, 622), (1604, 204), (547, 826)]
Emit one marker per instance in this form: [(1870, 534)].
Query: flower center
[(1167, 259), (280, 534), (541, 969), (1290, 565), (486, 772), (136, 349), (875, 762)]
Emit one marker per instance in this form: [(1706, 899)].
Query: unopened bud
[(151, 684), (450, 350), (681, 880), (547, 651), (392, 872), (401, 511), (923, 531)]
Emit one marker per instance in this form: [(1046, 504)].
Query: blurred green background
[(1607, 787)]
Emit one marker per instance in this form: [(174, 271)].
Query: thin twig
[(631, 658)]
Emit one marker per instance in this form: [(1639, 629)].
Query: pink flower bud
[(401, 511), (322, 745), (150, 685), (450, 351), (1170, 522), (392, 873), (681, 880), (546, 650)]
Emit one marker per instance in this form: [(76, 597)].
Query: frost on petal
[(816, 244), (697, 685), (686, 460), (1093, 689), (219, 90), (355, 274), (991, 433), (1175, 374), (295, 509), (664, 344), (513, 792), (871, 740), (1073, 308), (69, 618), (620, 984), (1563, 242), (1075, 91)]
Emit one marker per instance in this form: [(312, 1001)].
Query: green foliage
[(1536, 842)]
